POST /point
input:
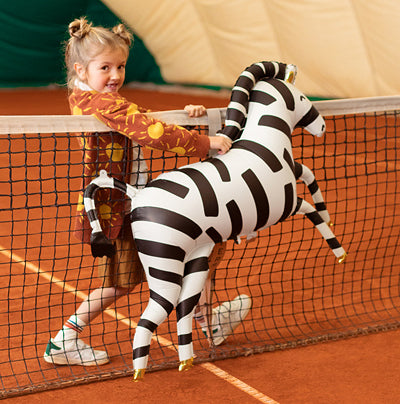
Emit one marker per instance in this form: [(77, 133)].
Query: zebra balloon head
[(262, 97), (279, 105), (311, 120)]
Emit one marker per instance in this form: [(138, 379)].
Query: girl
[(95, 58)]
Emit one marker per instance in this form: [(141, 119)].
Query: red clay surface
[(357, 370)]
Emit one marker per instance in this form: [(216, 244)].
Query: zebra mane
[(236, 113)]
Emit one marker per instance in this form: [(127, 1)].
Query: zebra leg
[(165, 288), (195, 276), (307, 209), (303, 173)]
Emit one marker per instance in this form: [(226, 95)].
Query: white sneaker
[(74, 352), (227, 317)]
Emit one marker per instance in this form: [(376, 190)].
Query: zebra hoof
[(342, 258), (138, 374), (186, 364)]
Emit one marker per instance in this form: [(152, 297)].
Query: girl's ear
[(80, 71)]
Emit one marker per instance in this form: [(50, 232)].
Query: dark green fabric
[(32, 36)]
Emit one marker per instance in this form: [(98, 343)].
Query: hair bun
[(123, 33), (79, 28)]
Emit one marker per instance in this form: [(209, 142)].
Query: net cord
[(86, 123)]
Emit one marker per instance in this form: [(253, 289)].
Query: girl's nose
[(115, 74)]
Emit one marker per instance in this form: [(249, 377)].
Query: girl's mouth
[(112, 87)]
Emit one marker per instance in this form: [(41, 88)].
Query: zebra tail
[(101, 246)]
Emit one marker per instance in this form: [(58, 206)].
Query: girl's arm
[(221, 143)]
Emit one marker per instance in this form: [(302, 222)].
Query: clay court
[(331, 329)]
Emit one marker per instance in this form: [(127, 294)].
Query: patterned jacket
[(117, 152)]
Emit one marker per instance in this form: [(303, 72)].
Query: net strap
[(214, 121)]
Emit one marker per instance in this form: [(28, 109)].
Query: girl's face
[(106, 72)]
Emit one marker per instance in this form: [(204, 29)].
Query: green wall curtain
[(32, 37)]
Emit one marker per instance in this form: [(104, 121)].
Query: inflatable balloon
[(178, 217)]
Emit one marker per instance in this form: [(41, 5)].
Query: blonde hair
[(87, 41)]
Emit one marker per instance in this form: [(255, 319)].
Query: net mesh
[(300, 294)]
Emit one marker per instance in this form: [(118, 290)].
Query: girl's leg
[(120, 275), (97, 301), (66, 347)]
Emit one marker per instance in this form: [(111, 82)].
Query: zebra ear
[(101, 245)]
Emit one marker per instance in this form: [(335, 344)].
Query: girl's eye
[(121, 67), (104, 68)]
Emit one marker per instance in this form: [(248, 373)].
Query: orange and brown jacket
[(117, 151)]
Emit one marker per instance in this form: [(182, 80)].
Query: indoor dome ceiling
[(343, 48)]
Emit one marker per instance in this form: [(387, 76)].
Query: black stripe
[(315, 217), (274, 122), (165, 276), (167, 218), (288, 158), (162, 301), (90, 190), (333, 243), (282, 71), (161, 250), (284, 91), (236, 219), (186, 306), (231, 131), (196, 265), (261, 97), (210, 203), (313, 187), (119, 185), (262, 152), (214, 235), (141, 352), (298, 170), (221, 168), (308, 118), (92, 215), (244, 82), (298, 205), (184, 339), (240, 97), (169, 186), (149, 325), (257, 71), (320, 206), (269, 70), (259, 196), (289, 199), (235, 115)]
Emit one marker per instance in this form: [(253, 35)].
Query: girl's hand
[(220, 143), (195, 111)]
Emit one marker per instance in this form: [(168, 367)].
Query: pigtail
[(123, 33), (79, 28)]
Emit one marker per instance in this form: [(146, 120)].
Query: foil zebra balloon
[(178, 217)]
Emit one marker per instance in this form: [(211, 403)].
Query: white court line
[(215, 370)]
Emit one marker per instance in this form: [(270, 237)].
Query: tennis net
[(300, 294)]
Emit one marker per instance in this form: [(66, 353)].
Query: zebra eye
[(302, 98)]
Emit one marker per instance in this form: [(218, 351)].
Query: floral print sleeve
[(125, 117)]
